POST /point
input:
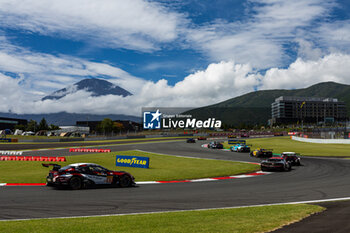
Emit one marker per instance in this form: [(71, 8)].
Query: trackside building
[(291, 109), (9, 123)]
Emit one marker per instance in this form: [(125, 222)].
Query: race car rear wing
[(297, 154), (266, 149), (56, 167)]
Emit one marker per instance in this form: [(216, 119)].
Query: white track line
[(175, 211)]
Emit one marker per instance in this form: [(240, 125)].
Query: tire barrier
[(32, 158), (89, 150), (10, 152)]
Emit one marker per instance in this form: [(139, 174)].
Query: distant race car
[(291, 157), (201, 138), (231, 136), (261, 153), (216, 145), (244, 135), (191, 140), (81, 175), (240, 147), (275, 163)]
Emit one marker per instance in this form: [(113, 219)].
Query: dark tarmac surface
[(333, 220), (29, 146), (319, 178)]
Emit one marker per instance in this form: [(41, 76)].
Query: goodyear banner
[(132, 161)]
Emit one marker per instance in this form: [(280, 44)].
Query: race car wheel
[(287, 168), (75, 183), (50, 184), (124, 181)]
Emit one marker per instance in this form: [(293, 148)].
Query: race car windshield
[(65, 168)]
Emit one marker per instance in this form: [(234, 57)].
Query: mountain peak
[(97, 87)]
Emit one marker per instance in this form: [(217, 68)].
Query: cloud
[(218, 82), (335, 36), (10, 94), (238, 51), (133, 24), (261, 39), (301, 73), (307, 50), (43, 73)]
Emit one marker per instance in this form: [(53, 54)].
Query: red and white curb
[(22, 184), (248, 175)]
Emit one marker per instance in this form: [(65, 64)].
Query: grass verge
[(281, 144), (162, 167), (250, 219)]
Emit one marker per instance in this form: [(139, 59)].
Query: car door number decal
[(109, 179)]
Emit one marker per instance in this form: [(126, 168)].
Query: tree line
[(107, 126), (35, 127)]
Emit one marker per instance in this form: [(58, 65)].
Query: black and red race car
[(275, 163), (81, 175), (201, 138), (291, 157)]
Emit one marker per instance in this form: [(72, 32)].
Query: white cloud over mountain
[(44, 73), (217, 82)]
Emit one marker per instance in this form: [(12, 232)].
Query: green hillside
[(255, 107)]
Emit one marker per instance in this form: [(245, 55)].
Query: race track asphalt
[(319, 178), (29, 146)]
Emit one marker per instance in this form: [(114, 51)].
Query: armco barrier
[(323, 141), (135, 136), (89, 150), (32, 158)]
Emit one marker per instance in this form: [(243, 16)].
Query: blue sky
[(167, 52)]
